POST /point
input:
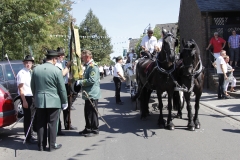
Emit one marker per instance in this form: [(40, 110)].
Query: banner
[(75, 55)]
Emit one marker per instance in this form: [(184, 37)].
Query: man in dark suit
[(50, 95)]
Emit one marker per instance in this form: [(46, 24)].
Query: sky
[(124, 19)]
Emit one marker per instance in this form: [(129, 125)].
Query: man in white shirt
[(101, 71), (25, 92), (159, 43), (132, 55), (221, 71), (64, 66), (149, 43), (117, 76)]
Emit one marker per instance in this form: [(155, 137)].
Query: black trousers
[(91, 116), (47, 117), (66, 114), (221, 86), (118, 84), (28, 113)]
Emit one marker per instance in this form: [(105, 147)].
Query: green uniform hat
[(28, 58), (52, 53)]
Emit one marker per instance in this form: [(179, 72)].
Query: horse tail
[(138, 83)]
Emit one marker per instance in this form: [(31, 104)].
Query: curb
[(218, 110)]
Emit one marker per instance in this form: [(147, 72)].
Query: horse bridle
[(193, 52), (168, 72)]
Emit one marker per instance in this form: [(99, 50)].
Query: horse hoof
[(191, 128), (197, 126), (171, 128)]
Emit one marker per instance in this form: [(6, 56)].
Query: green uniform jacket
[(91, 81), (48, 87)]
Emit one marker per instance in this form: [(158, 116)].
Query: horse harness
[(193, 75)]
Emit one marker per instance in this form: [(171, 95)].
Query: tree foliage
[(95, 39), (25, 23)]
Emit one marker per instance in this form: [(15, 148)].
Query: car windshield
[(16, 68), (3, 88)]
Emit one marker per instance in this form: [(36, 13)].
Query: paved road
[(130, 138)]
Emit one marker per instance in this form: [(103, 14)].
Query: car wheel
[(18, 107)]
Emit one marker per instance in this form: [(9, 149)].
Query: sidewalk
[(228, 107)]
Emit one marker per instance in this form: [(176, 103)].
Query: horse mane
[(197, 53)]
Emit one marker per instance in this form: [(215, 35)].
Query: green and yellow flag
[(75, 55)]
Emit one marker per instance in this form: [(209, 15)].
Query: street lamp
[(148, 27)]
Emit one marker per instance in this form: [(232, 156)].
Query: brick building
[(199, 19)]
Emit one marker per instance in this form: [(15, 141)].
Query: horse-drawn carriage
[(177, 77), (130, 74)]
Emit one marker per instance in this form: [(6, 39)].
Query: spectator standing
[(118, 75), (110, 69), (105, 69), (233, 43), (64, 67), (231, 79), (218, 44), (124, 61), (101, 71), (221, 66), (25, 92), (50, 95)]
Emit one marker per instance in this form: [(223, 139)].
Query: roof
[(218, 5), (168, 26)]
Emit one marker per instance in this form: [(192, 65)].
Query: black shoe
[(60, 133), (84, 132), (120, 103), (42, 148), (72, 108), (71, 128), (57, 146), (92, 134), (31, 141)]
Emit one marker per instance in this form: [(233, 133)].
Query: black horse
[(157, 75), (191, 75)]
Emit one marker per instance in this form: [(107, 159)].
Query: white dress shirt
[(24, 76), (118, 68), (220, 61), (101, 69), (130, 56), (62, 65), (159, 43), (149, 44)]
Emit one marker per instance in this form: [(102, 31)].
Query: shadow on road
[(232, 130)]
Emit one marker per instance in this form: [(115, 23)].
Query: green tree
[(26, 23), (95, 39)]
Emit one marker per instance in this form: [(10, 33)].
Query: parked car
[(8, 75), (8, 114)]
